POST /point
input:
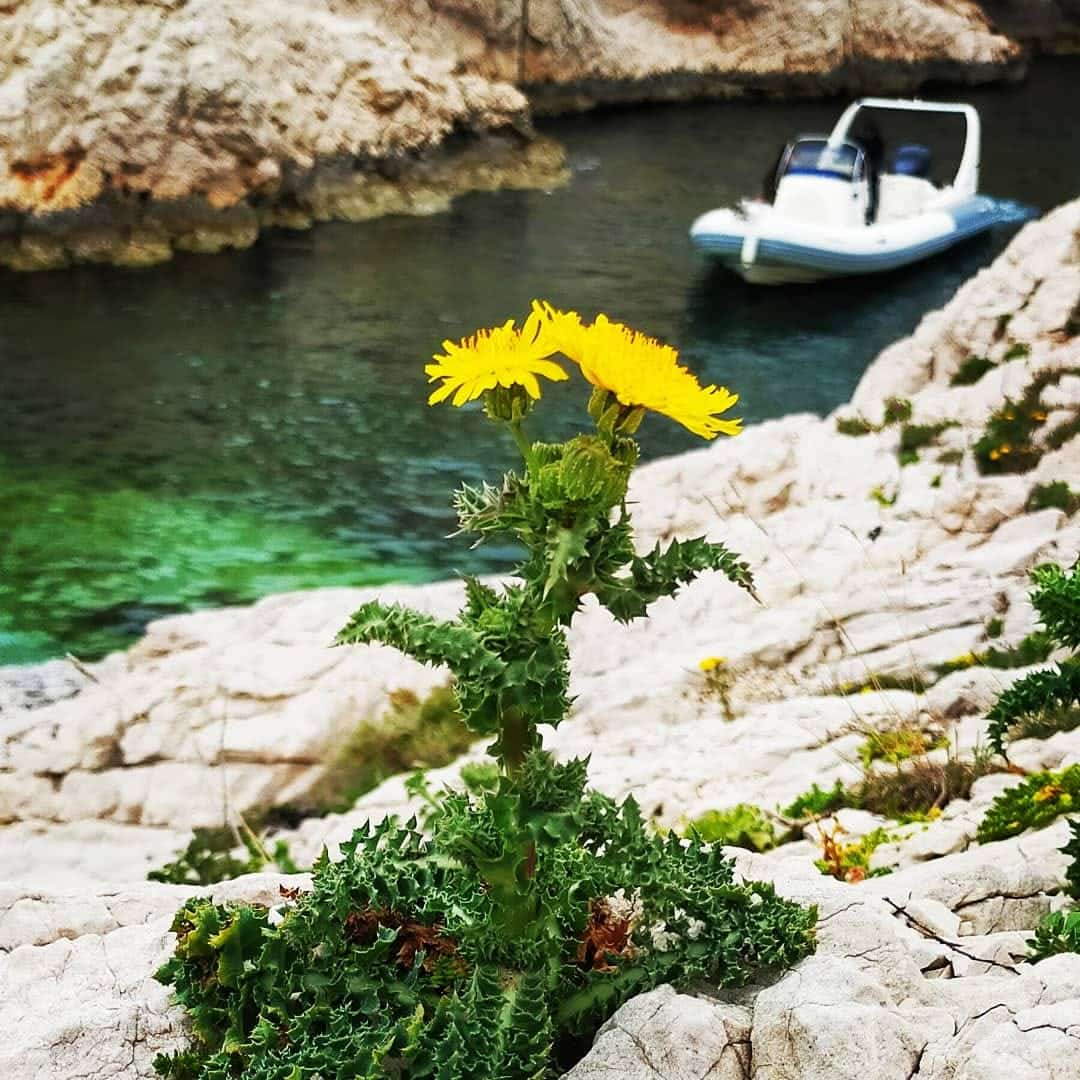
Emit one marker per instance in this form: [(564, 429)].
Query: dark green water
[(222, 427)]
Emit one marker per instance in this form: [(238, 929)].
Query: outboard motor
[(912, 159)]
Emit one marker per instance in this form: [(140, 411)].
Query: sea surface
[(221, 427)]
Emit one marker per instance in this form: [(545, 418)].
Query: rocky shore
[(873, 573), (130, 130)]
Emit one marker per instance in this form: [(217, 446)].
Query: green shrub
[(399, 953), (914, 437), (854, 426), (995, 627), (209, 858), (851, 862), (494, 941), (1059, 932), (1017, 351), (1032, 804), (742, 825), (897, 410), (1033, 648), (818, 802), (1072, 849), (1057, 495), (1044, 700), (917, 788), (971, 371), (1005, 445), (899, 744)]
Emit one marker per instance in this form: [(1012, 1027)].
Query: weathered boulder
[(669, 1035)]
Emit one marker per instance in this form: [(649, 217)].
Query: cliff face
[(128, 129), (580, 52), (191, 124)]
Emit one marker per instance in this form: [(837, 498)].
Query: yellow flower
[(640, 371), (1047, 792), (502, 356), (711, 663)]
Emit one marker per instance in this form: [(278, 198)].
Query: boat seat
[(902, 196)]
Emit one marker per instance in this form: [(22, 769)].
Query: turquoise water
[(217, 428)]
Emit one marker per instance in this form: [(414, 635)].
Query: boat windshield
[(815, 157)]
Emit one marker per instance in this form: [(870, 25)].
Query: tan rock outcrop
[(128, 130)]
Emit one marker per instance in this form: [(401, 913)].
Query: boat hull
[(767, 249)]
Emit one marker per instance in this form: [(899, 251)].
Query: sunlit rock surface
[(919, 974)]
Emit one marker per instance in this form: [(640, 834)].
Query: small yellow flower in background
[(867, 689), (964, 660), (711, 663), (640, 371), (501, 356), (1048, 792)]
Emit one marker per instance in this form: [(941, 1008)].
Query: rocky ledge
[(129, 130), (874, 573)]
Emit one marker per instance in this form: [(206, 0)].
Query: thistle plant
[(492, 940), (1048, 700)]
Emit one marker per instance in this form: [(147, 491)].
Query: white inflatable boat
[(841, 205)]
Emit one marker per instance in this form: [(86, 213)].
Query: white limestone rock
[(671, 1036)]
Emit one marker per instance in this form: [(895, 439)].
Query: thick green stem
[(515, 741), (522, 440)]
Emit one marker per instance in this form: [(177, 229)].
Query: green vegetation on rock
[(211, 857), (915, 437), (818, 802), (850, 861), (894, 745), (742, 825), (971, 371), (1045, 700), (1059, 932), (1032, 804), (1006, 444), (1056, 495)]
